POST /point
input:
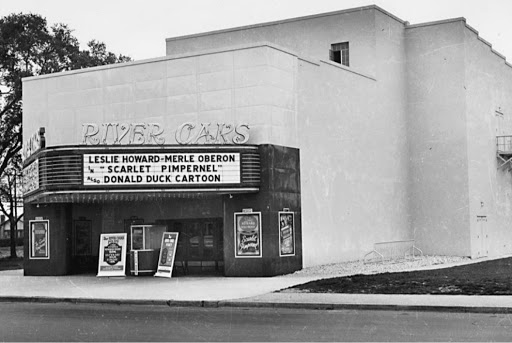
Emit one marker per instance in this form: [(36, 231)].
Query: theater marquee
[(97, 174), (161, 169)]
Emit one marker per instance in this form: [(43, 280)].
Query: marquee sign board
[(87, 174), (161, 169)]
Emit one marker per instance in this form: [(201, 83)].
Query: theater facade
[(274, 147)]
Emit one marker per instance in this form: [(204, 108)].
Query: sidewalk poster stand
[(112, 261), (167, 254)]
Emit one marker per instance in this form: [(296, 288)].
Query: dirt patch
[(484, 278)]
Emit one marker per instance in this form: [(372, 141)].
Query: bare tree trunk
[(14, 232)]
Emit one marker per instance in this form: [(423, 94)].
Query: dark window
[(339, 53)]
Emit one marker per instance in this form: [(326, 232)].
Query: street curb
[(372, 307), (51, 300), (254, 304)]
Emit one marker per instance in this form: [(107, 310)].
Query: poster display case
[(286, 234), (247, 234), (39, 239)]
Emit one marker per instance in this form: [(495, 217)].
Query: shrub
[(6, 242)]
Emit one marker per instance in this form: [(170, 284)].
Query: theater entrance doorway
[(200, 249)]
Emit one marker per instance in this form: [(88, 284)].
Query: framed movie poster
[(82, 238), (39, 239), (112, 261), (286, 234), (248, 234)]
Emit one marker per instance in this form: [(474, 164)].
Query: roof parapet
[(498, 54), (484, 41), (437, 22), (277, 22), (340, 66), (469, 27), (177, 56)]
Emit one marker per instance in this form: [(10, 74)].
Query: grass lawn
[(484, 278), (8, 263)]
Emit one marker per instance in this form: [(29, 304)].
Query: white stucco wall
[(354, 152), (253, 85), (438, 179), (488, 86), (309, 36)]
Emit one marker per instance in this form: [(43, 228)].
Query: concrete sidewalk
[(225, 292)]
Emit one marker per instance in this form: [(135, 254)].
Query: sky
[(139, 28)]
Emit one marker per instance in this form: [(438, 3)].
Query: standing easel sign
[(112, 261), (167, 254), (286, 234)]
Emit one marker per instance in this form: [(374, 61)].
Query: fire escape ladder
[(504, 151)]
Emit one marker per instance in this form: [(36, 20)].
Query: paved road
[(93, 322)]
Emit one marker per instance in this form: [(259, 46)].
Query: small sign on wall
[(286, 234), (112, 261), (39, 239), (31, 177), (167, 254), (248, 234)]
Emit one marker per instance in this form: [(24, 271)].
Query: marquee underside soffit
[(143, 195)]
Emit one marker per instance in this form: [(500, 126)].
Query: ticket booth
[(145, 248)]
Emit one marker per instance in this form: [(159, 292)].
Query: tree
[(28, 48), (10, 192)]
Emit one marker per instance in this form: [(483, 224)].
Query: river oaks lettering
[(161, 169), (154, 134)]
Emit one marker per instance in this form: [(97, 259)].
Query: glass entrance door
[(200, 244), (82, 256)]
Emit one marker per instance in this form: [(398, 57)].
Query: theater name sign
[(153, 133), (162, 168), (131, 157)]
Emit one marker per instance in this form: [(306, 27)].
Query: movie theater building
[(276, 146)]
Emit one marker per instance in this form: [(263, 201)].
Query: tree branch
[(11, 152), (10, 105), (2, 208)]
